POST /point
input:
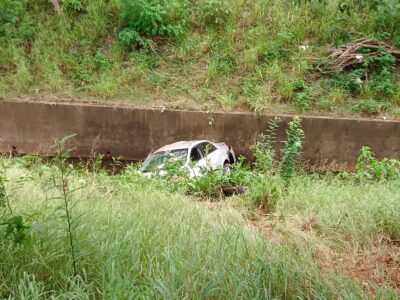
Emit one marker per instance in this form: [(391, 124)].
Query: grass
[(135, 239), (216, 54)]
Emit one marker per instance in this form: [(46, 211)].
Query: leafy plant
[(279, 48), (129, 35), (150, 18), (76, 5), (214, 181), (215, 12), (15, 228), (292, 148), (368, 167), (368, 106), (220, 64), (348, 81), (11, 13), (303, 100), (264, 152)]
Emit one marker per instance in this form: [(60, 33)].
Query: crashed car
[(195, 155)]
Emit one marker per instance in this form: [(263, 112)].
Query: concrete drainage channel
[(131, 133)]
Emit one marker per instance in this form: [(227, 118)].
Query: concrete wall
[(32, 127)]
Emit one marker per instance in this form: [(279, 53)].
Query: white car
[(195, 155)]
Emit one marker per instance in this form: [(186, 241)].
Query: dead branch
[(352, 54)]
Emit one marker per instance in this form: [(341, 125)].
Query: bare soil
[(376, 265)]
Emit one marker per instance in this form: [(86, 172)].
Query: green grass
[(213, 54), (134, 239)]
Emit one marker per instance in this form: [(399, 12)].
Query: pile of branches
[(354, 54), (351, 55)]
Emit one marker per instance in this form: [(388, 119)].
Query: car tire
[(227, 167)]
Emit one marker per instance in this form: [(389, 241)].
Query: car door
[(196, 160), (212, 157)]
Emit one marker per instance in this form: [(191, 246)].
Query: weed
[(110, 49), (292, 148), (303, 101), (368, 106), (219, 65), (264, 151), (107, 87), (135, 239), (215, 12), (15, 228), (143, 19), (61, 183), (368, 167), (75, 5), (213, 181)]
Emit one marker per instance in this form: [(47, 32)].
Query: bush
[(292, 148), (264, 152), (75, 5), (368, 167), (368, 106), (11, 15), (150, 18), (215, 12)]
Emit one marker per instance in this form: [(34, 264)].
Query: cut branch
[(351, 54)]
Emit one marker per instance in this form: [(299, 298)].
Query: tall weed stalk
[(291, 150), (60, 182), (264, 152)]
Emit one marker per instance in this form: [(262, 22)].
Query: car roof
[(179, 145)]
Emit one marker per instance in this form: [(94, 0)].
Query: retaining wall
[(33, 127)]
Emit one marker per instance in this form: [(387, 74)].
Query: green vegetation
[(77, 231), (255, 55), (134, 238)]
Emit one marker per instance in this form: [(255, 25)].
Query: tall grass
[(348, 212), (134, 239)]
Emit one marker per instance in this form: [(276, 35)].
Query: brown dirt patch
[(378, 264)]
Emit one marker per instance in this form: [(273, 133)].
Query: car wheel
[(227, 167)]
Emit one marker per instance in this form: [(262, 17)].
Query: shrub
[(375, 73), (368, 106), (12, 227), (215, 12), (368, 167), (348, 81), (264, 151), (220, 64), (303, 100), (292, 148), (11, 14), (75, 5), (279, 48), (150, 18)]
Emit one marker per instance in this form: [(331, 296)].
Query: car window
[(207, 148), (196, 154), (156, 159)]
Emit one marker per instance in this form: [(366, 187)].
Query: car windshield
[(157, 159)]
